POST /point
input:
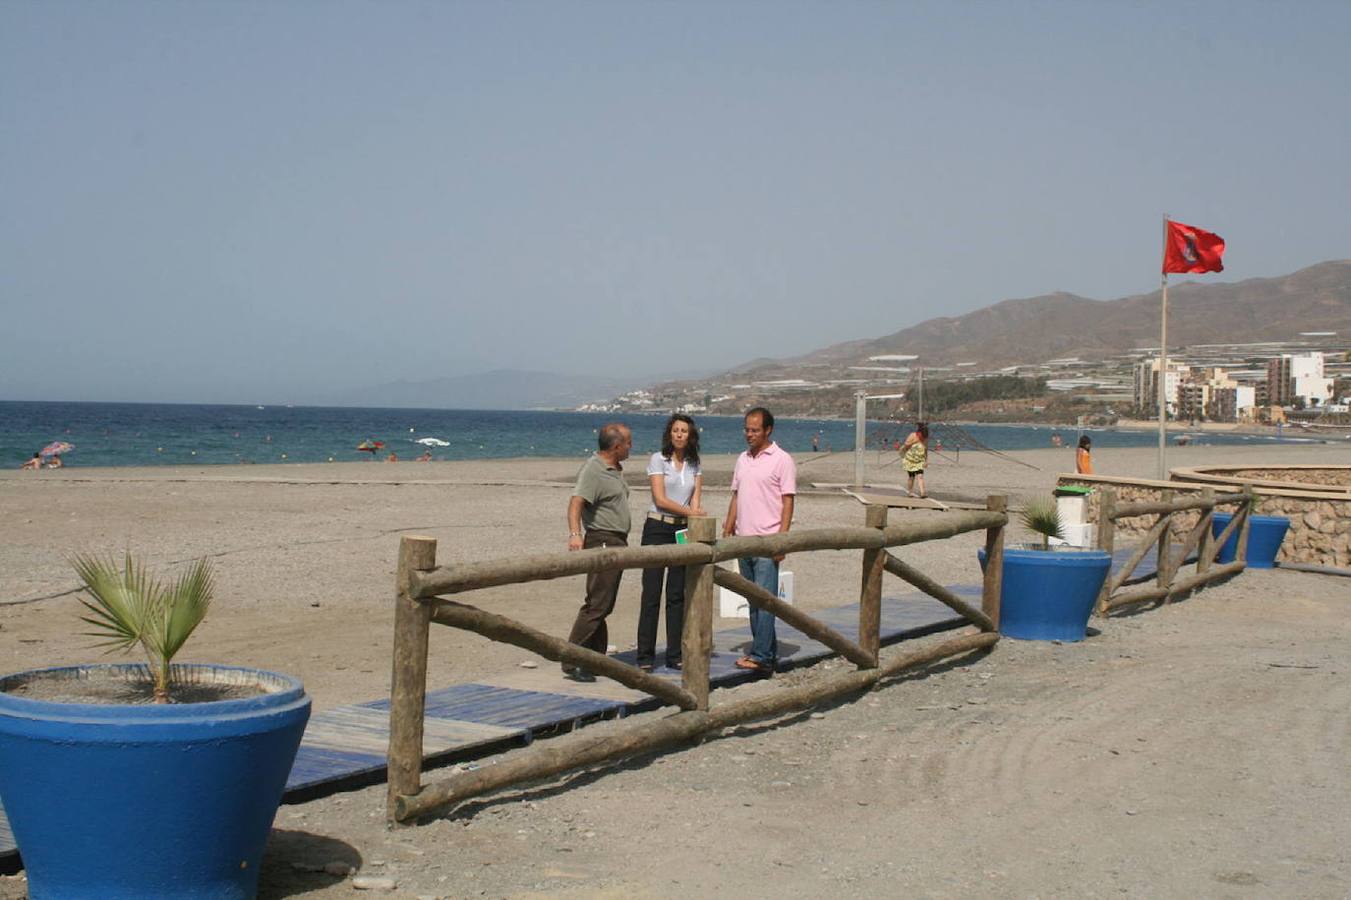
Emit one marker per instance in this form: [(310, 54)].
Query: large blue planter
[(137, 801), (1048, 595), (1264, 539)]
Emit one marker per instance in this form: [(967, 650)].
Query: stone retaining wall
[(1320, 520)]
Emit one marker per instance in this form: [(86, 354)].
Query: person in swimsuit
[(914, 457), (1083, 462)]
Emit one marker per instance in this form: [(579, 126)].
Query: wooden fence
[(1171, 557), (422, 600)]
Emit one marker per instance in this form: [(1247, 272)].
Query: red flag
[(1188, 249)]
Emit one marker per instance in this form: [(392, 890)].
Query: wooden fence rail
[(421, 601), (1170, 557)]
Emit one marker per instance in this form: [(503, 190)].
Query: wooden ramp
[(345, 747)]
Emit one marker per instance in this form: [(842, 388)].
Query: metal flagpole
[(1163, 363), (860, 434)]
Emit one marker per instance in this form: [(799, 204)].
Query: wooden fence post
[(408, 685), (870, 592), (1249, 506), (696, 640), (1203, 549), (993, 584), (1106, 541)]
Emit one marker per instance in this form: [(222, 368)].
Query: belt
[(669, 520)]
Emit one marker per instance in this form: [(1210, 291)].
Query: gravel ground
[(1196, 749)]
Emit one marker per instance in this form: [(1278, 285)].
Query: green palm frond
[(129, 607), (1042, 516), (186, 604), (123, 597)]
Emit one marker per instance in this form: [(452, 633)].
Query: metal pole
[(860, 434), (920, 414), (1163, 364)]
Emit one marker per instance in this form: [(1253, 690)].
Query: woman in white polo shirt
[(677, 494)]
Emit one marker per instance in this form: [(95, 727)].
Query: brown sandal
[(754, 665)]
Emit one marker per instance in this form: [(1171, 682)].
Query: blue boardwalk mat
[(1149, 565), (345, 747)]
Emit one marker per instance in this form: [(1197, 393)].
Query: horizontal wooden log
[(935, 526), (788, 699), (577, 751), (1158, 507), (509, 631), (932, 527), (1149, 540), (911, 575), (1180, 586), (544, 566), (845, 537), (795, 617), (553, 758)]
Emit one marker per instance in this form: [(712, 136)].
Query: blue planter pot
[(1264, 539), (1049, 595), (170, 800)]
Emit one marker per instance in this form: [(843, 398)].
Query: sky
[(279, 201)]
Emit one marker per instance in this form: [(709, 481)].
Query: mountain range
[(1059, 325)]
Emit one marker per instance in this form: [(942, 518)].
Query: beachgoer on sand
[(35, 463), (425, 457), (914, 457), (393, 457), (764, 486), (55, 462), (1083, 461), (598, 516), (677, 493)]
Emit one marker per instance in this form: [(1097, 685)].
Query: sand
[(1195, 749)]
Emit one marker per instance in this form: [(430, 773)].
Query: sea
[(159, 434)]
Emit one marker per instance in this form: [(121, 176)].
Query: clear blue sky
[(273, 201)]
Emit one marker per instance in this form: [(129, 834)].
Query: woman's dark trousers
[(656, 532)]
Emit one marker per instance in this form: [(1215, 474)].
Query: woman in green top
[(914, 456)]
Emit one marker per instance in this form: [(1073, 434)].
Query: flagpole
[(1163, 362)]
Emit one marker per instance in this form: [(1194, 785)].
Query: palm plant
[(130, 607), (1042, 516)]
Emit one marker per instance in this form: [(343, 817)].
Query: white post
[(860, 434), (919, 414), (1163, 364)]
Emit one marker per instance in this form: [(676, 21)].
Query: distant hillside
[(1052, 326), (502, 389)]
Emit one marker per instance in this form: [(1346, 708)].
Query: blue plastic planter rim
[(279, 691), (1062, 556)]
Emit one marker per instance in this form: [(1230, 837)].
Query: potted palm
[(145, 779), (1048, 591)]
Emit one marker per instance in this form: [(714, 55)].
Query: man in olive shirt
[(598, 516)]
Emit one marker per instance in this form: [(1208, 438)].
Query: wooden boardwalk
[(344, 748)]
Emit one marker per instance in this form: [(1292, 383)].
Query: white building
[(1147, 385)]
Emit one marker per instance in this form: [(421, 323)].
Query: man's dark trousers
[(602, 588)]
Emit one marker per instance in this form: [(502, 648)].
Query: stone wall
[(1320, 521), (1335, 477)]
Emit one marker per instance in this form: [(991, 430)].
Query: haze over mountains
[(1027, 330), (1052, 326)]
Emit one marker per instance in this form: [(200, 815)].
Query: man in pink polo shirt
[(763, 487)]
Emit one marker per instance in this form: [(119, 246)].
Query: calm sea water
[(145, 434)]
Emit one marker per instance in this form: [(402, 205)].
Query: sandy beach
[(1197, 749)]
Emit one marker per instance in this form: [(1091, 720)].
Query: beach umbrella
[(56, 448), (371, 446)]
